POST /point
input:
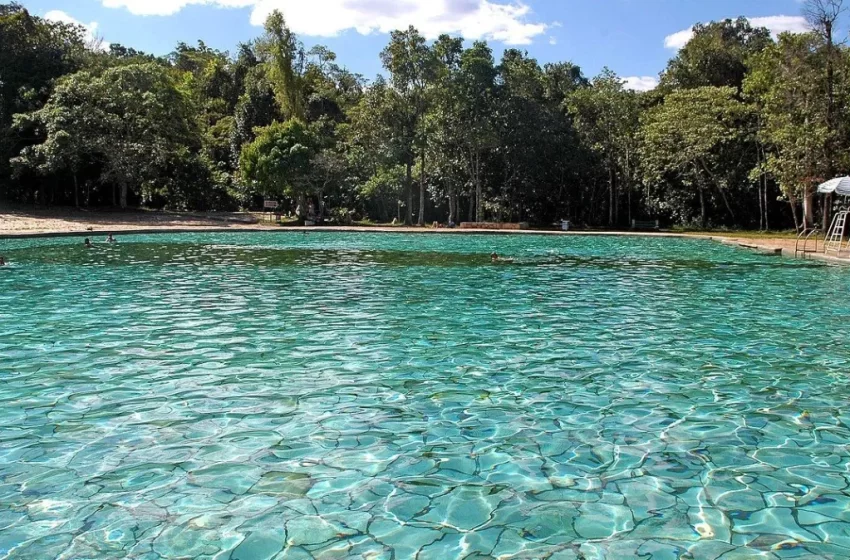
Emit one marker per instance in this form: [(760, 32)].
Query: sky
[(634, 38)]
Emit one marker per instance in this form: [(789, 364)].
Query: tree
[(822, 16), (685, 142), (788, 82), (34, 53), (62, 151), (280, 160), (716, 55), (130, 119), (606, 117), (412, 67), (475, 96), (255, 108), (377, 137), (284, 64)]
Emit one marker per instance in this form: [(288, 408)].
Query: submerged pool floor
[(252, 396)]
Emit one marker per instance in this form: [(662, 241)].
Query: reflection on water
[(329, 396)]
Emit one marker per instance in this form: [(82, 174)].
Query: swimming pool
[(281, 395)]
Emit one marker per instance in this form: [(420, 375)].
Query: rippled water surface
[(280, 395)]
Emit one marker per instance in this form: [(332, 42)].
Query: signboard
[(272, 204)]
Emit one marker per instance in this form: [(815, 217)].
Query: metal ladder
[(806, 236), (835, 235)]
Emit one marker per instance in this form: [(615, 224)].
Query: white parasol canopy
[(839, 185)]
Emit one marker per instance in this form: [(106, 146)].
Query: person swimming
[(495, 258), (2, 261), (110, 239), (87, 243)]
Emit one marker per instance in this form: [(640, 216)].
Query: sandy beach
[(25, 221)]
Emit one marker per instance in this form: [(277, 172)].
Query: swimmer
[(2, 261), (87, 243), (110, 239), (495, 258)]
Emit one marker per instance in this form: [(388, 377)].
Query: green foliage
[(737, 118), (33, 53), (284, 63), (716, 55), (788, 83), (688, 143), (279, 160)]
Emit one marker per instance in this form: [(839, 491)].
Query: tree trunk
[(76, 190), (321, 197), (766, 221), (808, 209), (703, 221), (726, 202), (471, 215), (422, 191), (302, 205), (827, 210), (123, 196), (792, 201), (610, 195), (408, 181), (479, 216), (830, 105), (761, 209), (629, 185), (452, 205)]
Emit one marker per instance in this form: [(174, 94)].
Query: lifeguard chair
[(834, 242)]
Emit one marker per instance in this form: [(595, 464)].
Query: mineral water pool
[(280, 395)]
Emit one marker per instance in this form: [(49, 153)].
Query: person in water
[(110, 239), (87, 243), (495, 258), (2, 261)]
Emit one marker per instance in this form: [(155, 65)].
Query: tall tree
[(279, 161), (788, 83), (33, 54), (131, 118), (413, 67), (823, 15), (606, 116), (686, 141), (464, 115), (716, 55), (285, 59)]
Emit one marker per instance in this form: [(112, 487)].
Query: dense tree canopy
[(738, 134)]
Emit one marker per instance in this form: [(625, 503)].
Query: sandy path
[(28, 221)]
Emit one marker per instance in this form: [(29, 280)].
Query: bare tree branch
[(823, 14)]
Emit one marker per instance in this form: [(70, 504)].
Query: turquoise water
[(252, 396)]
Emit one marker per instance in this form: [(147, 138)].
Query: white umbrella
[(839, 185)]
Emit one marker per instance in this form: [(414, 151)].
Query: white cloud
[(507, 21), (679, 39), (776, 25), (553, 40), (90, 28), (171, 7), (781, 24), (640, 83)]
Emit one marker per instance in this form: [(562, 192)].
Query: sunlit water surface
[(280, 395)]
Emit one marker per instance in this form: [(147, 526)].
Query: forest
[(740, 131)]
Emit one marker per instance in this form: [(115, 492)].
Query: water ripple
[(328, 395)]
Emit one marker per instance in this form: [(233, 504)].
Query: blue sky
[(635, 38)]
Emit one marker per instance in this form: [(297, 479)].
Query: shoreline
[(31, 225), (334, 229)]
